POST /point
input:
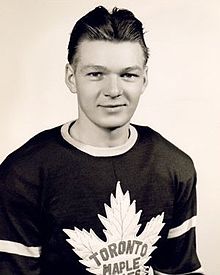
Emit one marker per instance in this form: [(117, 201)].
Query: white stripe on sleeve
[(181, 229), (19, 249)]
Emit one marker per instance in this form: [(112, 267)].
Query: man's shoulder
[(36, 147), (162, 148)]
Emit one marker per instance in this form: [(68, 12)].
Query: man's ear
[(145, 78), (70, 78)]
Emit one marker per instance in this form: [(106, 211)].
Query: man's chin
[(111, 126)]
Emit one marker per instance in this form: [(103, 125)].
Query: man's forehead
[(105, 44), (103, 53)]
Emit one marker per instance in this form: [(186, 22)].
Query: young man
[(98, 195)]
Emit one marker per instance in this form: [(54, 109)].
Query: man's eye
[(95, 74), (129, 76)]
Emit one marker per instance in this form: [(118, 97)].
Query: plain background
[(181, 100)]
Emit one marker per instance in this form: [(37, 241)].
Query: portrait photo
[(110, 137)]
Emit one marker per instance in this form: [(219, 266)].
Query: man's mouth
[(111, 105)]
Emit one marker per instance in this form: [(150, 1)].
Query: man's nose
[(113, 88)]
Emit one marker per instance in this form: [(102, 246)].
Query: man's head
[(107, 58), (99, 24)]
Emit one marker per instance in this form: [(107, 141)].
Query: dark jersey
[(69, 208)]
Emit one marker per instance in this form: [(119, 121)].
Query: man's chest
[(102, 212)]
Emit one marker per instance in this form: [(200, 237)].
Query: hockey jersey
[(69, 208)]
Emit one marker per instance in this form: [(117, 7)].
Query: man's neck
[(99, 137)]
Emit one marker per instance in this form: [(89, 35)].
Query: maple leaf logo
[(123, 251)]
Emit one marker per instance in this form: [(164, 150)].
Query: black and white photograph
[(110, 137)]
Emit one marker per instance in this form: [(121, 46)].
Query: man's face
[(108, 78)]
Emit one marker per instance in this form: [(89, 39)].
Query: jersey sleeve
[(176, 253), (20, 244)]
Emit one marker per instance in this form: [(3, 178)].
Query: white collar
[(99, 151)]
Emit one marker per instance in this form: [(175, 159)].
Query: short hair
[(117, 26)]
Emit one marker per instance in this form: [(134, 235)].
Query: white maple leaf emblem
[(123, 251)]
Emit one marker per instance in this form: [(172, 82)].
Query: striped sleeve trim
[(19, 249), (181, 229), (200, 271)]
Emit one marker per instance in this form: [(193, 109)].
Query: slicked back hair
[(118, 26)]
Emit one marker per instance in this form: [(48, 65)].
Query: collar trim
[(99, 151)]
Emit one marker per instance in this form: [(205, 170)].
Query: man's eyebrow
[(133, 68), (105, 69), (93, 67)]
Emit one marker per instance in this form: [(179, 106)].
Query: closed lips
[(112, 105)]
